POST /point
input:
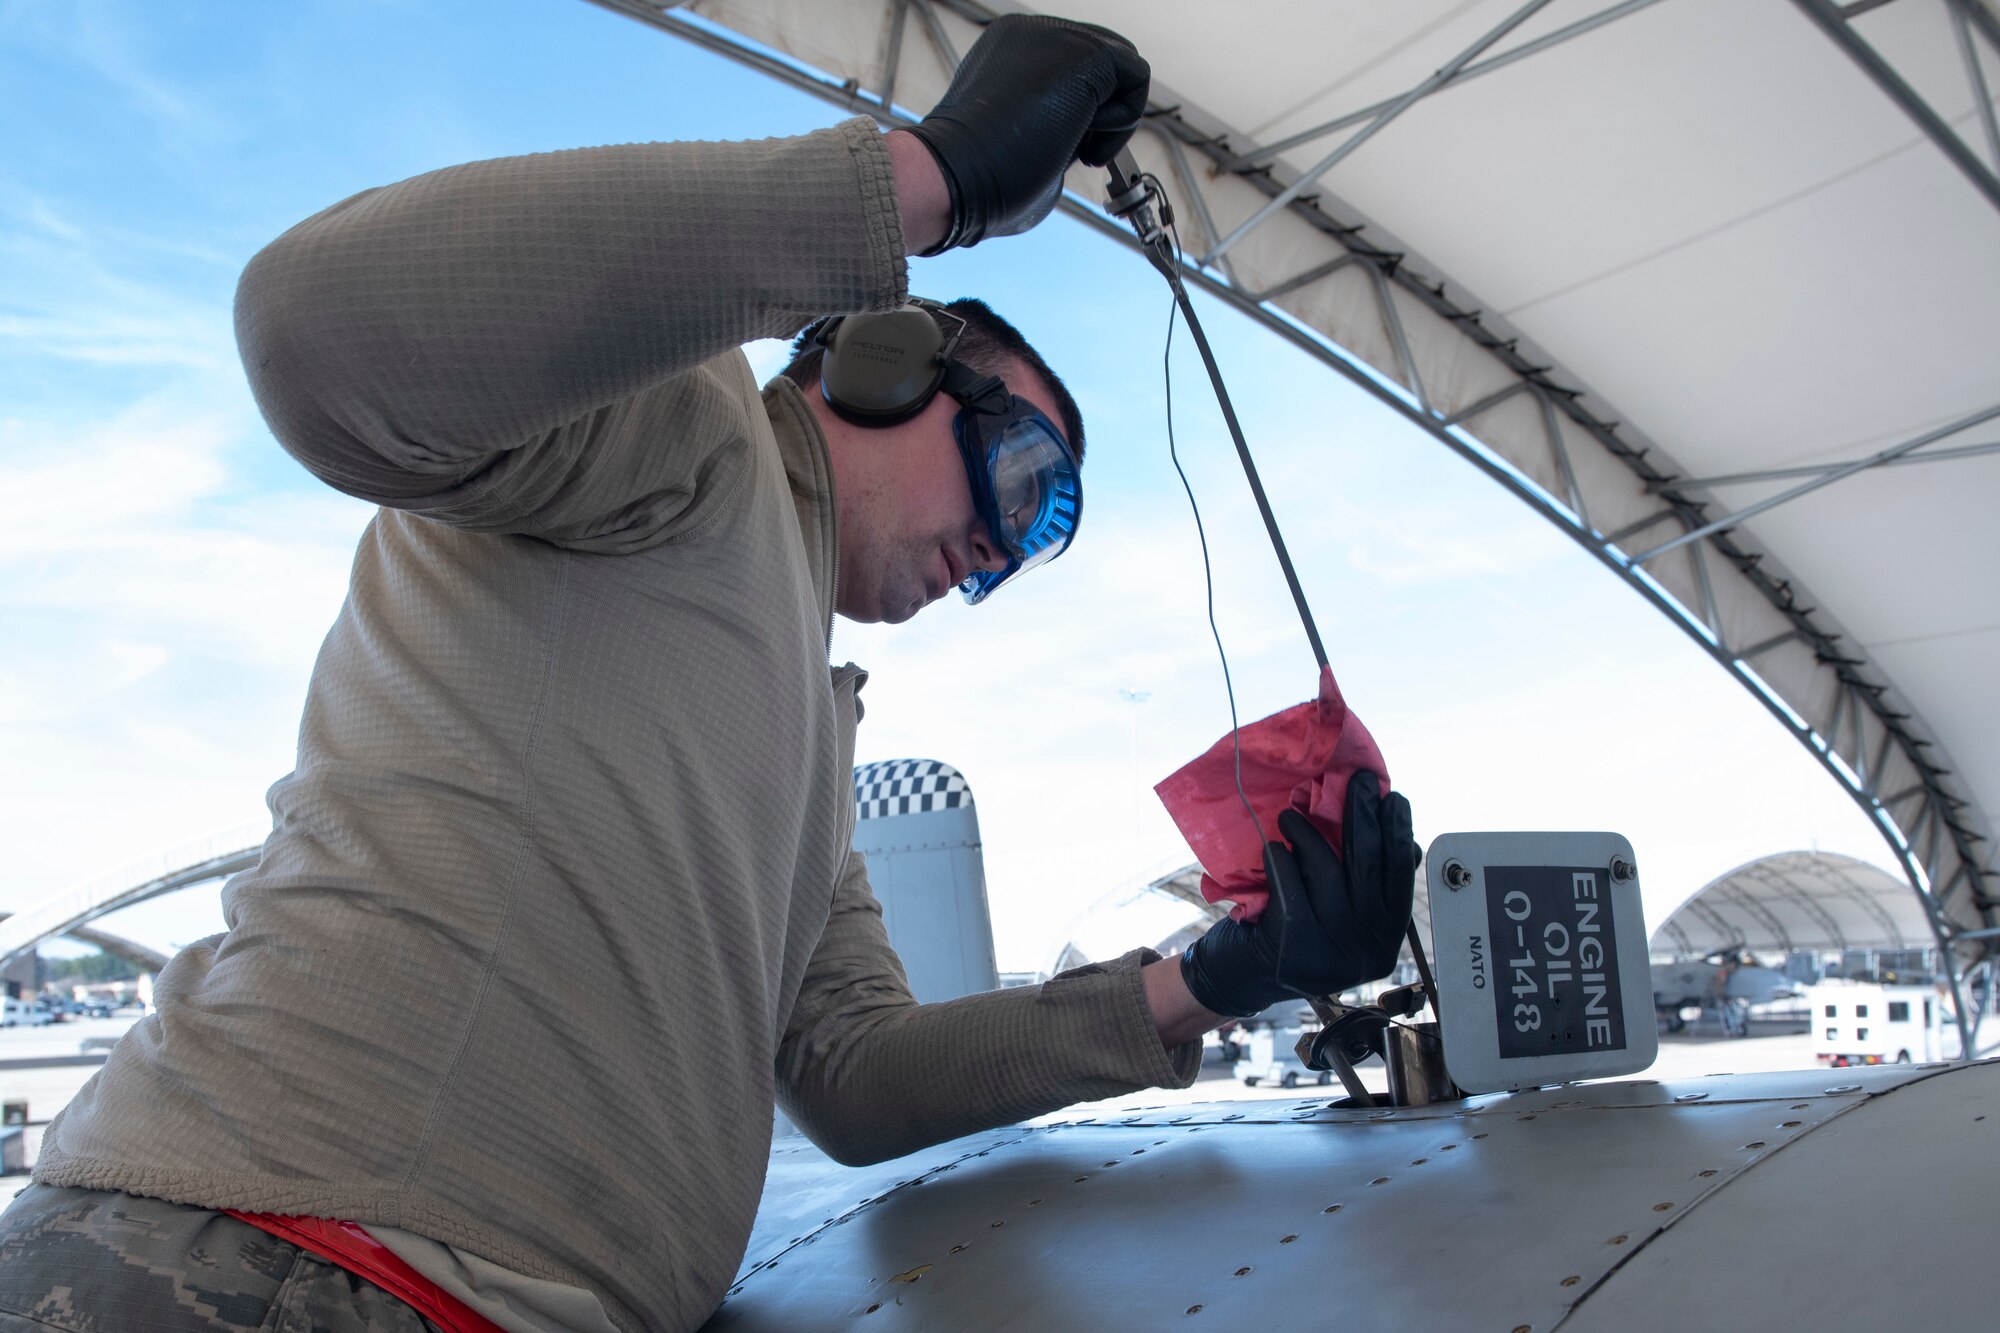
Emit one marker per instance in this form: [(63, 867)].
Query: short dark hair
[(989, 345)]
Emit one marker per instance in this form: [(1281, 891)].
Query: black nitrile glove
[(1033, 95), (1332, 921)]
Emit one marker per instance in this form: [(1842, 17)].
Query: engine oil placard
[(1555, 961)]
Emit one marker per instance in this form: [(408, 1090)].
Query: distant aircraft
[(1728, 981)]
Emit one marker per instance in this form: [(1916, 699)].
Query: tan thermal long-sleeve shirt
[(559, 895)]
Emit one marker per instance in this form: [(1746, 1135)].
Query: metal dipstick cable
[(1133, 194), (1132, 197)]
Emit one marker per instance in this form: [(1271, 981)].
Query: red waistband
[(349, 1245)]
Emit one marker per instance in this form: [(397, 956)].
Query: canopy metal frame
[(1967, 18), (68, 911), (138, 955), (1922, 821)]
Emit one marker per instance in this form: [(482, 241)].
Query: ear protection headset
[(880, 369)]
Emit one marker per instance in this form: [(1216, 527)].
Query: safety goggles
[(1024, 484)]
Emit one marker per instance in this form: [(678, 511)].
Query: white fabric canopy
[(1797, 901), (1675, 240)]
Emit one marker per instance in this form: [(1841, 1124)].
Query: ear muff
[(880, 369)]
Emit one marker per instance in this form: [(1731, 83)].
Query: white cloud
[(138, 521), (161, 601), (90, 482), (133, 662), (72, 295)]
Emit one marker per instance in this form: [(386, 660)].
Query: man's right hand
[(1033, 95)]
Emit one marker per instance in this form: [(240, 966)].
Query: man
[(573, 767)]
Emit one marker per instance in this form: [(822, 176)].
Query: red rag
[(1301, 758)]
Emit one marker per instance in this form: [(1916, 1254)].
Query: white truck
[(26, 1014), (1268, 1043), (1879, 1023)]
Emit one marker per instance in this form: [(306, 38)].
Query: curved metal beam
[(1838, 472), (1263, 153), (71, 908), (1674, 931), (133, 952), (1822, 469), (1724, 929), (1743, 902), (1808, 906), (1865, 900), (1830, 20), (1450, 71)]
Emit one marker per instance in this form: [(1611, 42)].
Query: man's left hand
[(1333, 920)]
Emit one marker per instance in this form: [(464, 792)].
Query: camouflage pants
[(91, 1261)]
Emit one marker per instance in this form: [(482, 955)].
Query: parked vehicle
[(26, 1014), (1877, 1023)]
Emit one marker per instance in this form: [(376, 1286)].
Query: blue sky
[(166, 572)]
